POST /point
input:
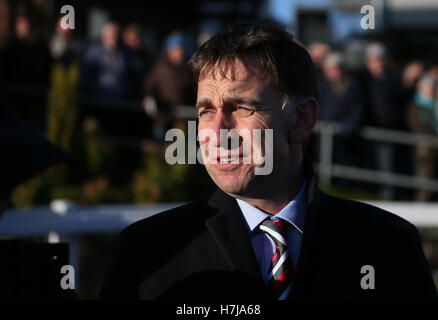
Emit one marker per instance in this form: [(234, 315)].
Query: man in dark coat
[(386, 108), (106, 69), (341, 101), (264, 234)]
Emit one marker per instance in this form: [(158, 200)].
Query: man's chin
[(233, 181), (231, 190), (230, 185)]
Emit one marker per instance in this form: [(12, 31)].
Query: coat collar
[(230, 233)]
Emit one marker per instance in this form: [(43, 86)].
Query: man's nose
[(225, 122), (222, 121)]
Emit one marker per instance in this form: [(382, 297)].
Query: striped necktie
[(281, 272)]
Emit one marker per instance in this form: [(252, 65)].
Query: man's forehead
[(226, 89), (231, 87), (234, 70)]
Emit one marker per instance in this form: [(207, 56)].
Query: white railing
[(327, 169), (65, 218)]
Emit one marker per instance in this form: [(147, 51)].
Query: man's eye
[(205, 113), (244, 111)]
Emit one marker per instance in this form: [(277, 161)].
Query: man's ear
[(306, 115)]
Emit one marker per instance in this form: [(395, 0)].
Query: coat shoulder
[(362, 215)]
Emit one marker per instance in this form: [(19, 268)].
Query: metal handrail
[(382, 135), (328, 169)]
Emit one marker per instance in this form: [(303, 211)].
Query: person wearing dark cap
[(166, 85)]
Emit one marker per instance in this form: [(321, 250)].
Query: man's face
[(333, 73), (22, 27), (249, 100), (176, 55), (110, 33), (376, 66), (318, 52)]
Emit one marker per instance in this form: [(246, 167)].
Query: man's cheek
[(207, 152), (261, 120), (264, 155)]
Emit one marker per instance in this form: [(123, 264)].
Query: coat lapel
[(306, 264), (231, 235)]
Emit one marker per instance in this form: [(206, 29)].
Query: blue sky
[(341, 24), (284, 10)]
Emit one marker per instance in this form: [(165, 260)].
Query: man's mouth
[(229, 159)]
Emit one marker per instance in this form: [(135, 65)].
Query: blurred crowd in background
[(381, 95), (125, 90)]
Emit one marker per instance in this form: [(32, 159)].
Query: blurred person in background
[(27, 64), (132, 38), (26, 43), (64, 48), (423, 118), (412, 72), (318, 51), (63, 91), (5, 19), (166, 85), (106, 66), (386, 109), (384, 90), (341, 101)]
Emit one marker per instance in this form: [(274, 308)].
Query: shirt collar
[(293, 212)]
